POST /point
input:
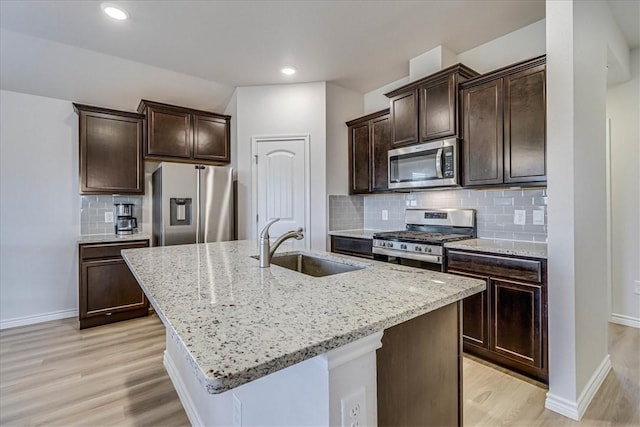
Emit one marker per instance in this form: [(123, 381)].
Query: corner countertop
[(237, 322), (504, 247), (359, 233), (111, 238)]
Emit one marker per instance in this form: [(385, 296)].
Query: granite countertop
[(237, 322), (505, 247), (112, 238), (359, 233)]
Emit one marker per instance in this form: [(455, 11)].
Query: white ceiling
[(196, 52), (360, 45)]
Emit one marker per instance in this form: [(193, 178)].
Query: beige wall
[(579, 36), (279, 110), (623, 111)]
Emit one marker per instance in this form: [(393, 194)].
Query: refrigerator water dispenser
[(180, 211)]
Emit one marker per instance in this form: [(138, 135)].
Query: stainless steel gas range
[(421, 244)]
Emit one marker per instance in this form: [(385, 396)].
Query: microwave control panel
[(448, 167)]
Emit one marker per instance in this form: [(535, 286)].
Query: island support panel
[(420, 371), (308, 393)]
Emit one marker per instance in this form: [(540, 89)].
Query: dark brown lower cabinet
[(507, 323), (419, 371), (352, 246), (108, 291)]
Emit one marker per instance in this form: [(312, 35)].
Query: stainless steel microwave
[(432, 164)]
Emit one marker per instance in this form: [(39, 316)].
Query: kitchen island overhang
[(233, 323)]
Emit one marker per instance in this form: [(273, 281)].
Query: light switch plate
[(385, 215), (538, 217), (108, 217), (414, 203), (519, 217)]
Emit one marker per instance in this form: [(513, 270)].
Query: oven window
[(413, 167)]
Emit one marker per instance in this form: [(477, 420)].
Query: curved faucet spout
[(297, 234), (267, 250)]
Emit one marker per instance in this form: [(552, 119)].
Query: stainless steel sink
[(312, 265)]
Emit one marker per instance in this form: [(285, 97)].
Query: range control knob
[(403, 246), (382, 244), (418, 249), (429, 250), (389, 245)]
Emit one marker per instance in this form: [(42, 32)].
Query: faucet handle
[(264, 234)]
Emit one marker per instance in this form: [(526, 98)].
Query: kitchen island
[(249, 345)]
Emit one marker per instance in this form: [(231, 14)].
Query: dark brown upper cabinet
[(110, 151), (369, 141), (504, 126), (426, 109), (185, 135)]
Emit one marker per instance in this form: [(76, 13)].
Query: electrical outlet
[(108, 216), (414, 203), (237, 411), (408, 202), (353, 409), (385, 215), (637, 287), (519, 217), (538, 217)]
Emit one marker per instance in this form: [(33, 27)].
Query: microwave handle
[(439, 163)]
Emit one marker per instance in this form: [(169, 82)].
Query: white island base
[(312, 392)]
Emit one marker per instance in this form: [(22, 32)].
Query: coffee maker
[(126, 223)]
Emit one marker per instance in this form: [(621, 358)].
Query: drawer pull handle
[(109, 314)]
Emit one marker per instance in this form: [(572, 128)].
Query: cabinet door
[(483, 162), (211, 138), (517, 315), (110, 154), (475, 315), (380, 145), (108, 286), (525, 116), (169, 133), (404, 118), (438, 109), (359, 158)]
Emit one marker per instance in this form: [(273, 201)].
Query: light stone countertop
[(358, 233), (111, 238), (237, 322), (504, 247)]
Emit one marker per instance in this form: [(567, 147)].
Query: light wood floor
[(493, 397), (54, 374)]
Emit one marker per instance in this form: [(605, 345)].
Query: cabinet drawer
[(352, 246), (108, 250), (492, 265)]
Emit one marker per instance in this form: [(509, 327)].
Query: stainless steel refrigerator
[(192, 204)]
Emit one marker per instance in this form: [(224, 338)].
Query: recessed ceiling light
[(289, 71), (114, 11)]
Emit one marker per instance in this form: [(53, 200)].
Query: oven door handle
[(417, 257), (439, 163)]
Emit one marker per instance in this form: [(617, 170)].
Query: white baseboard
[(181, 389), (621, 319), (575, 410), (38, 318)]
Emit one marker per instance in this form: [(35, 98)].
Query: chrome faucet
[(266, 250)]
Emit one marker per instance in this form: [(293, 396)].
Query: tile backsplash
[(346, 212), (93, 208), (495, 210)]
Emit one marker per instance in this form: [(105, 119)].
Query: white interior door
[(281, 187)]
